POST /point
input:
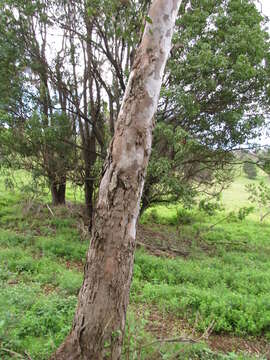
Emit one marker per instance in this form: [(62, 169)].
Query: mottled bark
[(99, 323)]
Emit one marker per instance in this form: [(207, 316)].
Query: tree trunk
[(145, 200), (88, 194), (99, 322), (58, 192), (90, 158)]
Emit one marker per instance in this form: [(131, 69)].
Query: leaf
[(149, 20)]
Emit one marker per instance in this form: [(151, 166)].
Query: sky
[(265, 5)]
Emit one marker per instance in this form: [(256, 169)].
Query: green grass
[(232, 290), (236, 195), (225, 277), (33, 321)]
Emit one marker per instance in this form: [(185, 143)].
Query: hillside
[(199, 291)]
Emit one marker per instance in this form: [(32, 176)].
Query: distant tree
[(181, 167), (263, 160), (97, 37), (250, 169)]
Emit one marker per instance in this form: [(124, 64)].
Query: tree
[(197, 105), (250, 169), (103, 299), (38, 127), (105, 32), (215, 86), (181, 167), (212, 94), (71, 70)]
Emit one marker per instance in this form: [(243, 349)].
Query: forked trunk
[(99, 323)]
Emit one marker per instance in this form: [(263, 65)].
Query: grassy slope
[(236, 196), (225, 277)]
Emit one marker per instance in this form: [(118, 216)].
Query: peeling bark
[(99, 323)]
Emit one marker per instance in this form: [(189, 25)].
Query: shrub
[(250, 170), (184, 216)]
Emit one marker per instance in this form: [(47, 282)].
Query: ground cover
[(188, 277)]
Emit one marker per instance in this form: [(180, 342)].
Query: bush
[(184, 216), (250, 170)]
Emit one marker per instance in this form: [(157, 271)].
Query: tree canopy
[(64, 69)]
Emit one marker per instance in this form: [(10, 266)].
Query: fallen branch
[(185, 340), (162, 250), (50, 210), (12, 352), (217, 223)]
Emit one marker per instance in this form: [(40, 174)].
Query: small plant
[(240, 215), (260, 195), (210, 207), (184, 216), (244, 212)]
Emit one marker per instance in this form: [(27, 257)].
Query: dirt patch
[(163, 325), (74, 265), (168, 241), (160, 324), (226, 343), (161, 241)]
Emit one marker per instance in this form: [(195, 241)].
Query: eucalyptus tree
[(99, 322)]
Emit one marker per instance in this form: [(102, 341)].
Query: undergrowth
[(225, 278)]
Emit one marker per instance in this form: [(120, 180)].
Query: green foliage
[(221, 77), (33, 321), (229, 293), (260, 195), (139, 344), (34, 129), (25, 146), (226, 279), (244, 212), (136, 337), (216, 76), (184, 216), (250, 169), (210, 207), (122, 19), (179, 164), (240, 215)]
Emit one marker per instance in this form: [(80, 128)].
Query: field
[(201, 285)]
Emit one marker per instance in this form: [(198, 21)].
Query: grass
[(225, 277), (236, 195), (227, 290), (33, 321)]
